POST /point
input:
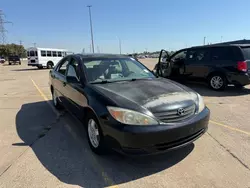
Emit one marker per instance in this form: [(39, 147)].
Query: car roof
[(219, 45)]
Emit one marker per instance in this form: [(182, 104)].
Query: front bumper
[(144, 140)]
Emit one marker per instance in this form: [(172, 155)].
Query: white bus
[(45, 57)]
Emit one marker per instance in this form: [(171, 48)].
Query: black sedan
[(126, 107)]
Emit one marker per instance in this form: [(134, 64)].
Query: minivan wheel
[(95, 135), (217, 82)]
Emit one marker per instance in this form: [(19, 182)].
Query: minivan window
[(221, 54), (246, 52), (199, 55)]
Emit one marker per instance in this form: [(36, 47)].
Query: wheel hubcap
[(54, 98), (93, 133), (216, 82)]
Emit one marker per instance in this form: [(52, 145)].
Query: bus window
[(59, 54), (36, 53), (43, 53), (49, 54), (32, 53), (28, 53), (54, 53)]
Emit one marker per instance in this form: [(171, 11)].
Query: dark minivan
[(218, 65)]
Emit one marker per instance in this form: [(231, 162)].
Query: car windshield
[(115, 69)]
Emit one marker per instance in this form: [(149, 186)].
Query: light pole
[(91, 30)]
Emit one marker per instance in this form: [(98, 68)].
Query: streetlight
[(91, 30), (120, 45)]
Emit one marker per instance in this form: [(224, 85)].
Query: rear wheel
[(39, 67), (20, 63), (217, 82), (9, 63), (50, 65)]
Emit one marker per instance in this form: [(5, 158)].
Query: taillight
[(242, 66)]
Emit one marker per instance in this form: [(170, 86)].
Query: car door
[(163, 68), (197, 64), (222, 59), (178, 60), (59, 79), (74, 88)]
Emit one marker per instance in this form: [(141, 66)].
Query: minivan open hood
[(152, 94)]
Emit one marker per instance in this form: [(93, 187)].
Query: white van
[(45, 57)]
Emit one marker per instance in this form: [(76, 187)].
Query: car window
[(198, 55), (63, 67), (246, 52), (73, 69), (113, 69), (220, 54), (179, 56)]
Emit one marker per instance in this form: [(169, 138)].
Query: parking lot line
[(231, 128), (104, 175)]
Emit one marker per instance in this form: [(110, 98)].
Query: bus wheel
[(40, 67), (50, 65)]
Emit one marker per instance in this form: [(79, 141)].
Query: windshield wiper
[(101, 82)]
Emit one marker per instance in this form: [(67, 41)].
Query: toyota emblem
[(180, 111)]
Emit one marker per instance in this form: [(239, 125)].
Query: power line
[(2, 28)]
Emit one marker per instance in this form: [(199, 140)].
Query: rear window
[(246, 52), (32, 53)]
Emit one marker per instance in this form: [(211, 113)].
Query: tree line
[(12, 49)]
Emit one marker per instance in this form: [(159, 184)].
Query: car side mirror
[(72, 79)]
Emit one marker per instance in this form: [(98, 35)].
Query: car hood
[(153, 94)]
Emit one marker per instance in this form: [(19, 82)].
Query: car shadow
[(60, 145), (204, 90)]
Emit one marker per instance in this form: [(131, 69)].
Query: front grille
[(173, 116), (32, 61)]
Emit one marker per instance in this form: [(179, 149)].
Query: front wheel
[(217, 82), (95, 135)]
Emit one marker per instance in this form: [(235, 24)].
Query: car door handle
[(64, 84)]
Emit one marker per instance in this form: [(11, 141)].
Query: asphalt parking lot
[(41, 147)]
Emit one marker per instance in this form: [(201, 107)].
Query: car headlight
[(131, 117), (200, 103)]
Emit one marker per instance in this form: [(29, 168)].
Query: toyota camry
[(125, 106)]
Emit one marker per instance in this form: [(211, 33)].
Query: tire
[(19, 63), (9, 63), (217, 82), (56, 102), (50, 65), (40, 67), (96, 141)]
